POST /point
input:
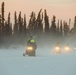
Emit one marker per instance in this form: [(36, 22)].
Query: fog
[(45, 62)]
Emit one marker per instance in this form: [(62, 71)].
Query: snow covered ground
[(45, 63)]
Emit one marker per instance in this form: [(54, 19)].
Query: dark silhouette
[(0, 25), (39, 26), (20, 23), (24, 26), (32, 24), (57, 29), (15, 30), (53, 26), (39, 22), (66, 29), (2, 11), (61, 28), (46, 21)]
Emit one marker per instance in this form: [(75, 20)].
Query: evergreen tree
[(75, 22), (73, 30), (15, 24), (66, 29), (32, 23), (9, 19), (61, 28), (69, 23), (24, 26), (39, 22), (0, 25), (53, 26), (58, 29), (20, 24), (46, 20), (2, 11), (8, 26)]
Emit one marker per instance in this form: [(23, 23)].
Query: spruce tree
[(53, 26), (20, 24), (8, 26), (24, 26), (15, 30), (39, 22), (58, 29), (66, 29), (46, 21), (2, 11), (73, 30), (0, 25), (75, 22), (32, 23), (61, 28)]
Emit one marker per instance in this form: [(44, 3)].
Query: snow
[(45, 63)]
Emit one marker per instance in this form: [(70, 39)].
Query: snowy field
[(45, 63)]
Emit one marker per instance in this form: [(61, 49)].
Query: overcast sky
[(63, 9)]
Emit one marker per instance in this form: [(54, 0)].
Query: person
[(32, 42)]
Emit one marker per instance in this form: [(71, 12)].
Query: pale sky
[(62, 9)]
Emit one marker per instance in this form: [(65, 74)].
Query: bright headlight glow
[(57, 48), (29, 48), (67, 48)]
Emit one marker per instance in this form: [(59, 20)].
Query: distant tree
[(58, 29), (0, 25), (69, 23), (46, 21), (39, 22), (24, 26), (6, 29), (9, 19), (20, 26), (0, 20), (32, 24), (66, 29), (15, 18), (61, 28), (73, 30), (53, 26), (75, 24), (2, 11), (8, 26), (15, 29)]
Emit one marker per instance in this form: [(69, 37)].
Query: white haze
[(12, 62)]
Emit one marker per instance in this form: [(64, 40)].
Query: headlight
[(67, 49), (29, 48), (57, 50)]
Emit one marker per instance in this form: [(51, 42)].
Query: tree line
[(37, 26)]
